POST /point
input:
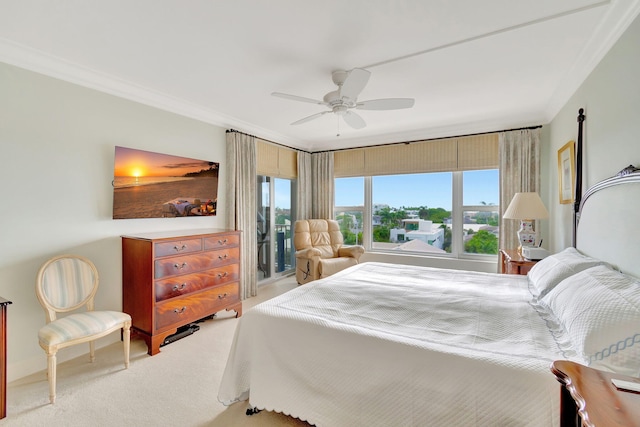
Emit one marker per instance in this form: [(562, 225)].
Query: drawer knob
[(179, 287), (223, 296), (179, 249), (222, 242), (180, 310), (221, 275), (221, 257), (180, 266)]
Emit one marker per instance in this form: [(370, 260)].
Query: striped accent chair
[(64, 284)]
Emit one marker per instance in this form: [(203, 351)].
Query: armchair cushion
[(80, 325), (331, 266), (351, 251)]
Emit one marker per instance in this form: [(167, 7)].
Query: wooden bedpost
[(578, 195)]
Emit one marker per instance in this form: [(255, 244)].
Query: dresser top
[(173, 234)]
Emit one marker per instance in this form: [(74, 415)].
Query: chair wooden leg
[(51, 374), (126, 338), (92, 351)]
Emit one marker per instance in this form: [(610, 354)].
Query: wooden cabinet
[(171, 279), (3, 357), (511, 262)]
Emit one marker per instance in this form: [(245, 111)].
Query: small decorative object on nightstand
[(511, 262), (591, 395)]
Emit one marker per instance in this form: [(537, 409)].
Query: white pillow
[(550, 271), (599, 308)]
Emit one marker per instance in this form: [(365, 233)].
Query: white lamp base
[(527, 236)]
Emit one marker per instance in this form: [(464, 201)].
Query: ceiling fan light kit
[(344, 99)]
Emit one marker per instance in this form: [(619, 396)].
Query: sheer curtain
[(322, 185), (519, 153), (303, 210), (241, 205)]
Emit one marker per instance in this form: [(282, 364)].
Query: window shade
[(440, 155), (349, 163), (478, 152), (276, 161)]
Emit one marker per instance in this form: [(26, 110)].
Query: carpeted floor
[(178, 386)]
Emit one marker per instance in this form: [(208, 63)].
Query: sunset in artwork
[(131, 162)]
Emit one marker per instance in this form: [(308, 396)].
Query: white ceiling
[(472, 66)]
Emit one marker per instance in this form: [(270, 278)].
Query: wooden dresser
[(173, 278)]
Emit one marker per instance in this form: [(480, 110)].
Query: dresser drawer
[(217, 242), (194, 263), (177, 247), (195, 306), (180, 285)]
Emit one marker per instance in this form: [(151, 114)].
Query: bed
[(389, 345)]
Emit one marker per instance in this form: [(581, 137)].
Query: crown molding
[(52, 66)]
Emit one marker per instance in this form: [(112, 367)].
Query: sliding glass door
[(276, 255)]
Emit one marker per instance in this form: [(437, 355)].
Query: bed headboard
[(609, 221)]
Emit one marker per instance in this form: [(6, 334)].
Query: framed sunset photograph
[(155, 185)]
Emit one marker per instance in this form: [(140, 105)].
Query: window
[(349, 208), (277, 179), (439, 213), (413, 210), (481, 211), (276, 255), (435, 196)]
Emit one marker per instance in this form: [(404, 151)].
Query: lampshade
[(526, 206)]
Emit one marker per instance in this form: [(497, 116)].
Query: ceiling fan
[(345, 99)]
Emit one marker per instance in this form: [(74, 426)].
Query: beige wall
[(57, 141), (611, 99)]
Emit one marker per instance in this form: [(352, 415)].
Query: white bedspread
[(392, 345)]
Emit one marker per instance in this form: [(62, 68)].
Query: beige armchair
[(320, 251)]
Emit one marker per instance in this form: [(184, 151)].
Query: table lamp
[(527, 207)]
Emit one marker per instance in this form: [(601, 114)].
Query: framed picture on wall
[(566, 172)]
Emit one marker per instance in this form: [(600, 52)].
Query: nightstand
[(589, 393), (511, 262)]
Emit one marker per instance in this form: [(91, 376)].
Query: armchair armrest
[(307, 261), (355, 251), (308, 253)]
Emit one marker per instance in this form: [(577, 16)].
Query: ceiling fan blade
[(311, 117), (354, 83), (354, 120), (386, 104), (298, 98)]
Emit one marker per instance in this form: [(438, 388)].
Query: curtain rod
[(429, 139), (389, 143), (272, 142)]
